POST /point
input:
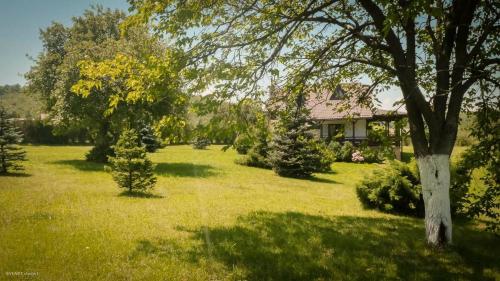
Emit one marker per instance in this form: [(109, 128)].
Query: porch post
[(353, 130), (399, 139)]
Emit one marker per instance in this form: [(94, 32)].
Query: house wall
[(359, 128), (359, 133)]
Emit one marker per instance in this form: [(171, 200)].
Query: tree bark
[(435, 178)]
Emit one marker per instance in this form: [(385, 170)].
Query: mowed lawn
[(211, 219)]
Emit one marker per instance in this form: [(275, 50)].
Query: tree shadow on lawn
[(15, 175), (136, 194), (296, 246), (185, 170), (161, 169), (82, 165), (320, 179)]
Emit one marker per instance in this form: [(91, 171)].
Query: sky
[(21, 21)]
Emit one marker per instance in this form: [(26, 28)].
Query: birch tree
[(436, 52)]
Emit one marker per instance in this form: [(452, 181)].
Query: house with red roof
[(348, 114)]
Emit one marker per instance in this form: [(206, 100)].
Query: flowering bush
[(357, 157)]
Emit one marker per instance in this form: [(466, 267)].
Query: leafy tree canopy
[(93, 75), (434, 51)]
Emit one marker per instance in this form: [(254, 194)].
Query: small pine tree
[(293, 153), (148, 139), (259, 153), (130, 167), (10, 152)]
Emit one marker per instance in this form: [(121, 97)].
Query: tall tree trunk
[(435, 178), (102, 144)]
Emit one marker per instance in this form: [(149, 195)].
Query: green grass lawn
[(407, 154), (210, 219)]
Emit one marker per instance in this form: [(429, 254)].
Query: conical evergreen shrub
[(293, 150), (258, 155), (10, 153), (130, 167)]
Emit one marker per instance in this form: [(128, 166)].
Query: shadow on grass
[(136, 194), (296, 246), (313, 178), (82, 165), (185, 170), (321, 180), (15, 175)]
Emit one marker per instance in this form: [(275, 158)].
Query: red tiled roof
[(350, 101)]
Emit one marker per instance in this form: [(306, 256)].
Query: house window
[(338, 94), (335, 131)]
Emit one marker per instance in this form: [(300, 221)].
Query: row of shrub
[(347, 152), (40, 132), (339, 152), (333, 152)]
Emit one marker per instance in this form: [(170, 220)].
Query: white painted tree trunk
[(435, 178)]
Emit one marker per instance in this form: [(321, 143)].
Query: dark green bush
[(377, 134), (335, 147), (253, 159), (258, 154), (372, 155), (201, 143), (257, 157), (41, 132), (394, 188), (327, 157), (100, 153), (341, 153), (346, 152), (243, 143)]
